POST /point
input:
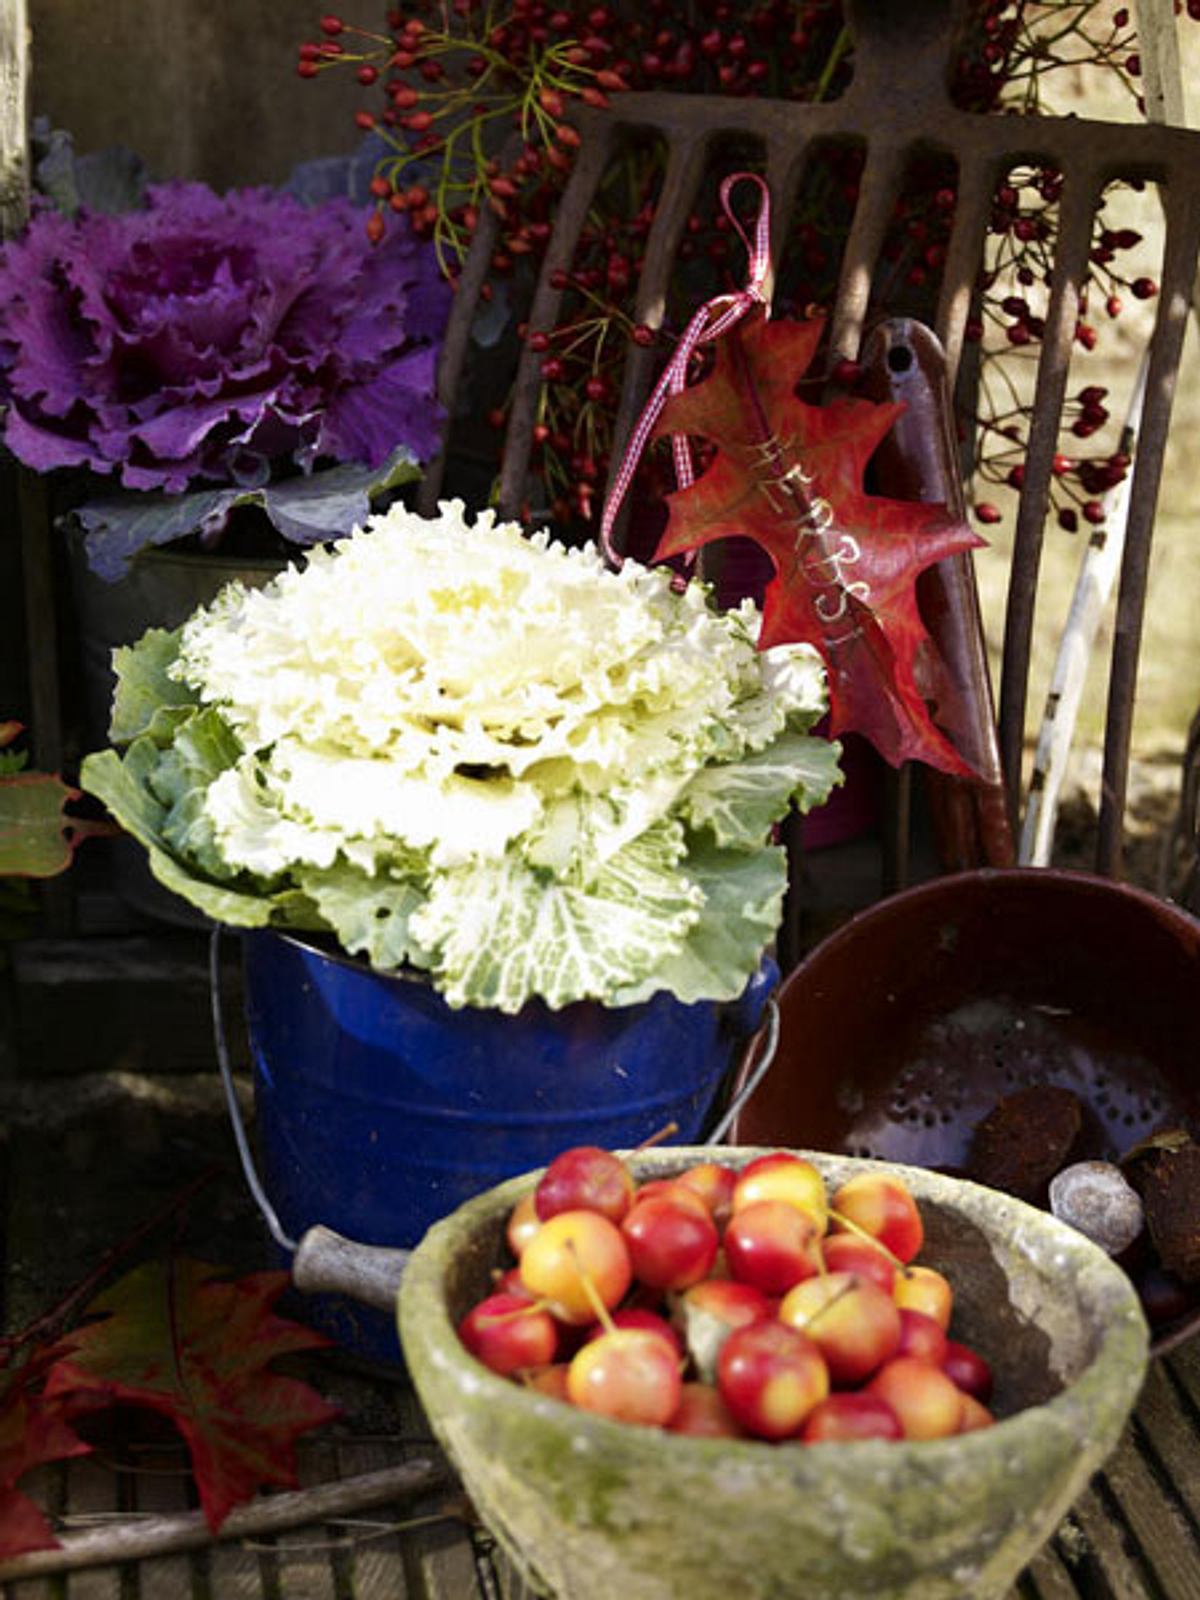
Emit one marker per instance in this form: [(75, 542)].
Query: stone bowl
[(590, 1509)]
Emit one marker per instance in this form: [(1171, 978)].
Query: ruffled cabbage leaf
[(480, 755)]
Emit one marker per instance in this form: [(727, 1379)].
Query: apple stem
[(664, 1132), (589, 1289), (815, 1316), (853, 1227)]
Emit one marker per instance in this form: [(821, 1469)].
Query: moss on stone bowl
[(595, 1510)]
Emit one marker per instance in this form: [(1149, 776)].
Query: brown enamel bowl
[(908, 1025)]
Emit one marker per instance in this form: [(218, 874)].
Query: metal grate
[(898, 107)]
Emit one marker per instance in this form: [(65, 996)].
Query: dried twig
[(139, 1538)]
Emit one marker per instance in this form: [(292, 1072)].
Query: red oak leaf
[(33, 1430), (789, 476), (195, 1347)]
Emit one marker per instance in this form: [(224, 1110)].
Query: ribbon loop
[(713, 318)]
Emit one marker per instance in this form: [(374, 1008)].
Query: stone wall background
[(199, 88)]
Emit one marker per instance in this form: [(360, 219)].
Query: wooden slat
[(439, 1561), (1112, 1572), (1167, 1433), (163, 1485), (92, 1489), (1046, 1578), (302, 1560), (1166, 1542), (45, 1486), (232, 1573), (1184, 1366), (377, 1561), (510, 1585)]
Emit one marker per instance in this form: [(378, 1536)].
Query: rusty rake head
[(897, 110)]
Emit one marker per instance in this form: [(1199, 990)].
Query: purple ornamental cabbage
[(214, 339)]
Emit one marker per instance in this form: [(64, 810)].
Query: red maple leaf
[(194, 1346), (789, 475), (33, 1430)]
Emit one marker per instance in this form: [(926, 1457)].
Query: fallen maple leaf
[(195, 1346), (33, 1431), (789, 476), (37, 837)]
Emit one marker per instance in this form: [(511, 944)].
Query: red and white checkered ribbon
[(713, 318)]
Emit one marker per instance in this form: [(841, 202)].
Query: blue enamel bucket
[(379, 1108)]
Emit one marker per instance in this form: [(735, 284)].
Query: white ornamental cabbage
[(482, 754)]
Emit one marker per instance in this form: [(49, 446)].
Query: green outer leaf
[(504, 931), (122, 786), (307, 510), (370, 915), (743, 901), (146, 698), (203, 748), (742, 800)]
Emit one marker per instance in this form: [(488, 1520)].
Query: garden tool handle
[(323, 1262), (326, 1263), (903, 361)]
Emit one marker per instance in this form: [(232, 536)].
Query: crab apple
[(671, 1246), (672, 1189), (852, 1321), (629, 1374), (772, 1245), (506, 1333), (585, 1178), (703, 1414), (880, 1205), (922, 1396), (575, 1259), (636, 1317), (551, 1380), (924, 1289), (786, 1177), (851, 1416), (523, 1223), (921, 1337), (708, 1313), (510, 1283), (967, 1369), (771, 1376), (733, 1302), (975, 1415), (714, 1184), (849, 1252)]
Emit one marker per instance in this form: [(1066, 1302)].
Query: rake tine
[(455, 347), (681, 183), (1166, 345), (1079, 197), (785, 167), (881, 181), (572, 213), (976, 186)]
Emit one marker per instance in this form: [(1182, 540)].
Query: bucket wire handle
[(249, 1171), (323, 1262), (770, 1028)]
